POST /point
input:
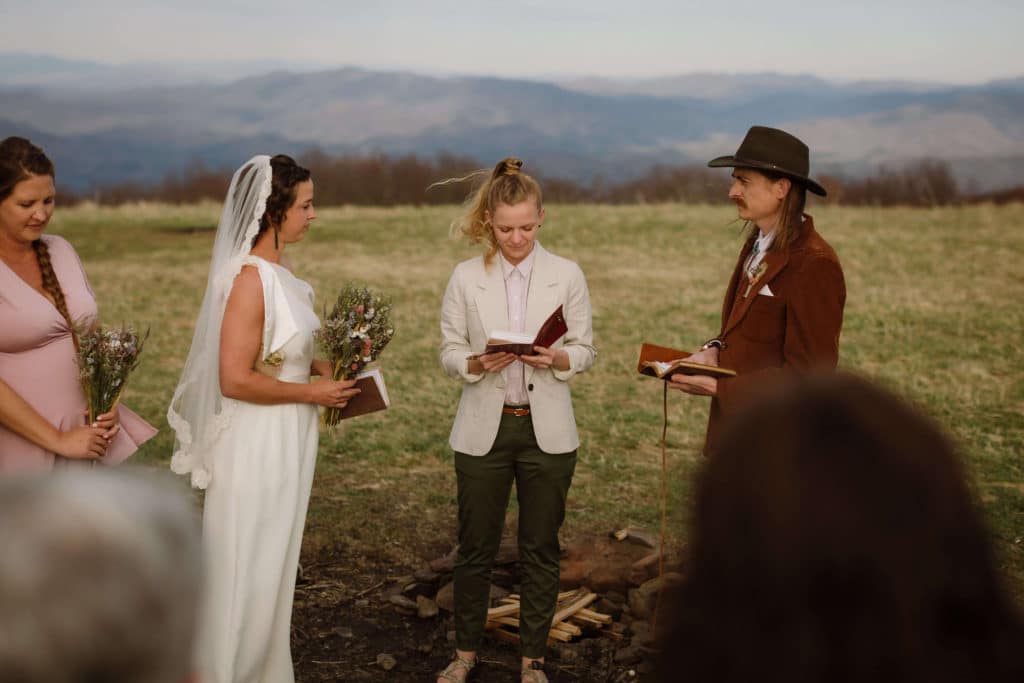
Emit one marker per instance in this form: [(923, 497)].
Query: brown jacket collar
[(775, 260)]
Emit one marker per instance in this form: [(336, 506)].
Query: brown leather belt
[(518, 411)]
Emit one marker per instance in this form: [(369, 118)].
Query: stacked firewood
[(572, 618)]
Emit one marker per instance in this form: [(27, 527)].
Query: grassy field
[(934, 311)]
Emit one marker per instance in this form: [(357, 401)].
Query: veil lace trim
[(198, 412)]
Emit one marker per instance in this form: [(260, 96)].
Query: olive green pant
[(485, 483)]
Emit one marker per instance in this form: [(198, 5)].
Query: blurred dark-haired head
[(834, 538), (19, 160)]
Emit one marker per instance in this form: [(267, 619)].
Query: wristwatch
[(716, 342)]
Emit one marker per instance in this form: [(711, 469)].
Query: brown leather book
[(373, 397), (522, 345), (663, 362)]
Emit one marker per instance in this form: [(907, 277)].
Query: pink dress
[(37, 359)]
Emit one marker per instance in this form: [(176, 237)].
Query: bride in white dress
[(245, 417)]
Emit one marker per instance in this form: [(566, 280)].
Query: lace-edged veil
[(198, 411)]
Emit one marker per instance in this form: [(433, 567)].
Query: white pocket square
[(765, 291)]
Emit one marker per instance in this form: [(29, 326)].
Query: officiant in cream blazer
[(476, 304), (515, 419)]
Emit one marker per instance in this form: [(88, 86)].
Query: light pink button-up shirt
[(517, 285)]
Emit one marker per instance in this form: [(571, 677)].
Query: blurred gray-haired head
[(99, 578)]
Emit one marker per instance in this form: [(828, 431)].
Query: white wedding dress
[(255, 507)]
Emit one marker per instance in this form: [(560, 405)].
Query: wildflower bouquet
[(105, 359), (353, 334)]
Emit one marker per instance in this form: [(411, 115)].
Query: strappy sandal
[(458, 664), (534, 673)]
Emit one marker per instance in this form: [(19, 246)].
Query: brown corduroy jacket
[(796, 329)]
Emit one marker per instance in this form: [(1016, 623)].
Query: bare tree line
[(382, 180)]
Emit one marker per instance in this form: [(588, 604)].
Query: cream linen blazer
[(474, 305)]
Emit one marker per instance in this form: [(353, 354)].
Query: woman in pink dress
[(43, 289)]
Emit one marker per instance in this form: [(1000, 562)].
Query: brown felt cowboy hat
[(771, 149)]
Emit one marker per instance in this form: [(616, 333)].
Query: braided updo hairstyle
[(505, 185), (19, 161), (285, 175)]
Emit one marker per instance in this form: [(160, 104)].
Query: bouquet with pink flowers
[(353, 334), (105, 359)]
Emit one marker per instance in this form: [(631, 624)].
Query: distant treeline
[(381, 180)]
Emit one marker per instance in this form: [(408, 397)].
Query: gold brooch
[(761, 268), (270, 365)]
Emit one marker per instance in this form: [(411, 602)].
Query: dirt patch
[(343, 628)]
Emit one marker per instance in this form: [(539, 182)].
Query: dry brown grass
[(933, 311)]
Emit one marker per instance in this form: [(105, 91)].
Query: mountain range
[(107, 123)]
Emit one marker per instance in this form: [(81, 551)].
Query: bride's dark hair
[(285, 174)]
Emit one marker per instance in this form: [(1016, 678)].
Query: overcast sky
[(935, 40)]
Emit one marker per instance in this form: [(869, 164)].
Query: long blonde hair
[(505, 185)]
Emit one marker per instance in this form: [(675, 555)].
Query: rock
[(642, 600), (641, 633), (606, 606), (635, 536), (601, 563), (645, 568), (425, 607), (403, 602), (615, 597), (426, 575), (445, 597), (628, 655), (399, 585), (386, 661), (567, 654), (419, 588), (572, 574), (603, 577), (446, 563)]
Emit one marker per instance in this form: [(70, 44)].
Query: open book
[(372, 397), (663, 362), (522, 344)]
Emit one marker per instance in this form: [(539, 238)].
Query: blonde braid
[(52, 285)]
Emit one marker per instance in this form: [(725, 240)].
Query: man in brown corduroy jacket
[(783, 309)]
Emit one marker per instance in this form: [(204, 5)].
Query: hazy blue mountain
[(583, 129), (56, 73)]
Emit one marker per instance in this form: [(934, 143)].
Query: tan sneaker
[(534, 673), (455, 666)]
